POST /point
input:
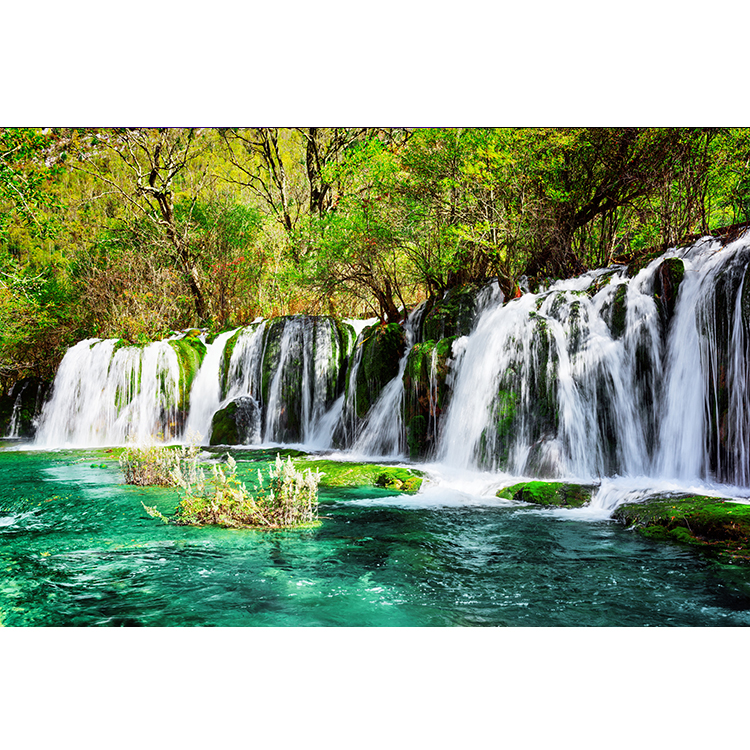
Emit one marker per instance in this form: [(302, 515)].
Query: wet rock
[(21, 405), (426, 393), (667, 280), (383, 346), (560, 494), (238, 423)]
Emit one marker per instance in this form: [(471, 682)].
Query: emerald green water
[(76, 548)]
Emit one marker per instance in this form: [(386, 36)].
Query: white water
[(547, 385), (205, 393), (382, 434), (102, 397), (13, 425)]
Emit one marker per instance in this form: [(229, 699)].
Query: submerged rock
[(717, 526)]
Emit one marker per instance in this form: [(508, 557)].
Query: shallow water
[(76, 548)]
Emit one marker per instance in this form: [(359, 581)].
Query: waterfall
[(14, 425), (243, 372), (606, 377), (290, 368), (587, 379), (105, 395), (205, 394), (383, 433)]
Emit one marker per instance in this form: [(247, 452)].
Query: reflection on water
[(76, 548)]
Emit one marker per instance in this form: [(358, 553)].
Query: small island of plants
[(286, 499)]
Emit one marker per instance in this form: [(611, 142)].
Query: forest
[(135, 232)]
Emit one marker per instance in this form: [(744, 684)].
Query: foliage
[(288, 499), (24, 176), (134, 232), (148, 465)]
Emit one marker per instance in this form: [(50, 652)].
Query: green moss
[(190, 354), (505, 424), (453, 315), (416, 435), (345, 474), (614, 311), (718, 527), (561, 494), (224, 426), (423, 407), (383, 346)]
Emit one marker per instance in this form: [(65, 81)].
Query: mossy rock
[(560, 494), (190, 353), (237, 423), (614, 311), (452, 315), (382, 348), (423, 405), (667, 280), (226, 358), (718, 527), (345, 474)]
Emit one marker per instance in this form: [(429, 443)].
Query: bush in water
[(290, 500), (146, 465)]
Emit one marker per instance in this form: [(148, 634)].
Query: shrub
[(146, 465), (290, 499)]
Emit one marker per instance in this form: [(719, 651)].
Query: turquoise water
[(76, 548)]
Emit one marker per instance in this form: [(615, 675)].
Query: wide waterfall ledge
[(636, 383)]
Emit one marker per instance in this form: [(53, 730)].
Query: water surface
[(77, 549)]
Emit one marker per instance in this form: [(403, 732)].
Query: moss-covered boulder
[(560, 494), (426, 393), (451, 315), (383, 346), (238, 423), (345, 474), (718, 527), (614, 311)]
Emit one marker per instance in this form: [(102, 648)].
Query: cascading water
[(382, 433), (598, 377), (205, 394), (587, 379), (288, 370), (13, 425), (105, 395)]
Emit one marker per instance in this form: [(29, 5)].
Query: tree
[(152, 162), (25, 175), (358, 249), (258, 154)]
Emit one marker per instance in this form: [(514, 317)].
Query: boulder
[(238, 423)]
